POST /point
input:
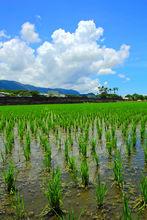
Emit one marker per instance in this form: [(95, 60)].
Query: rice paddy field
[(73, 161)]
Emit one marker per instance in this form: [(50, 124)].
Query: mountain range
[(13, 85)]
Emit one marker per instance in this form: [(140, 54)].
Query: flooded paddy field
[(73, 161)]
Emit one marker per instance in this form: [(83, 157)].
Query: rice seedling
[(101, 191), (96, 158), (109, 145), (93, 146), (143, 188), (18, 206), (72, 165), (71, 216), (145, 152), (127, 215), (83, 147), (129, 147), (48, 158), (9, 176), (118, 169), (141, 202), (54, 191), (66, 151), (84, 173)]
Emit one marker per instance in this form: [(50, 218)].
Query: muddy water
[(32, 179)]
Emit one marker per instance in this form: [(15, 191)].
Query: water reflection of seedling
[(9, 177), (85, 173)]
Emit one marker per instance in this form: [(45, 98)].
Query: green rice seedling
[(9, 177), (109, 142), (48, 158), (9, 143), (126, 209), (3, 157), (19, 207), (66, 151), (118, 168), (54, 191), (27, 148), (101, 191), (145, 152), (44, 142), (72, 165), (27, 152), (129, 147), (93, 146), (85, 173), (96, 158), (83, 147), (143, 188), (99, 132), (71, 216), (86, 135), (142, 130), (134, 139)]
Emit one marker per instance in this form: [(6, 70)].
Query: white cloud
[(123, 76), (69, 60), (28, 33), (3, 34)]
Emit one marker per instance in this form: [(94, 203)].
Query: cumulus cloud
[(28, 33), (69, 60)]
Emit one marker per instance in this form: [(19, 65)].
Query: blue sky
[(124, 22)]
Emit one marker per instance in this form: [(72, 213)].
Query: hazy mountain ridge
[(13, 85)]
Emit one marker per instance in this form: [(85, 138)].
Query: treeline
[(136, 97), (19, 93)]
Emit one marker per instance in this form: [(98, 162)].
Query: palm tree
[(115, 89)]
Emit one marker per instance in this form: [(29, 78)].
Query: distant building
[(3, 94), (53, 93)]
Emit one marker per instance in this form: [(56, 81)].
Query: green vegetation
[(9, 177), (54, 191), (101, 191), (67, 147), (85, 173), (127, 215)]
